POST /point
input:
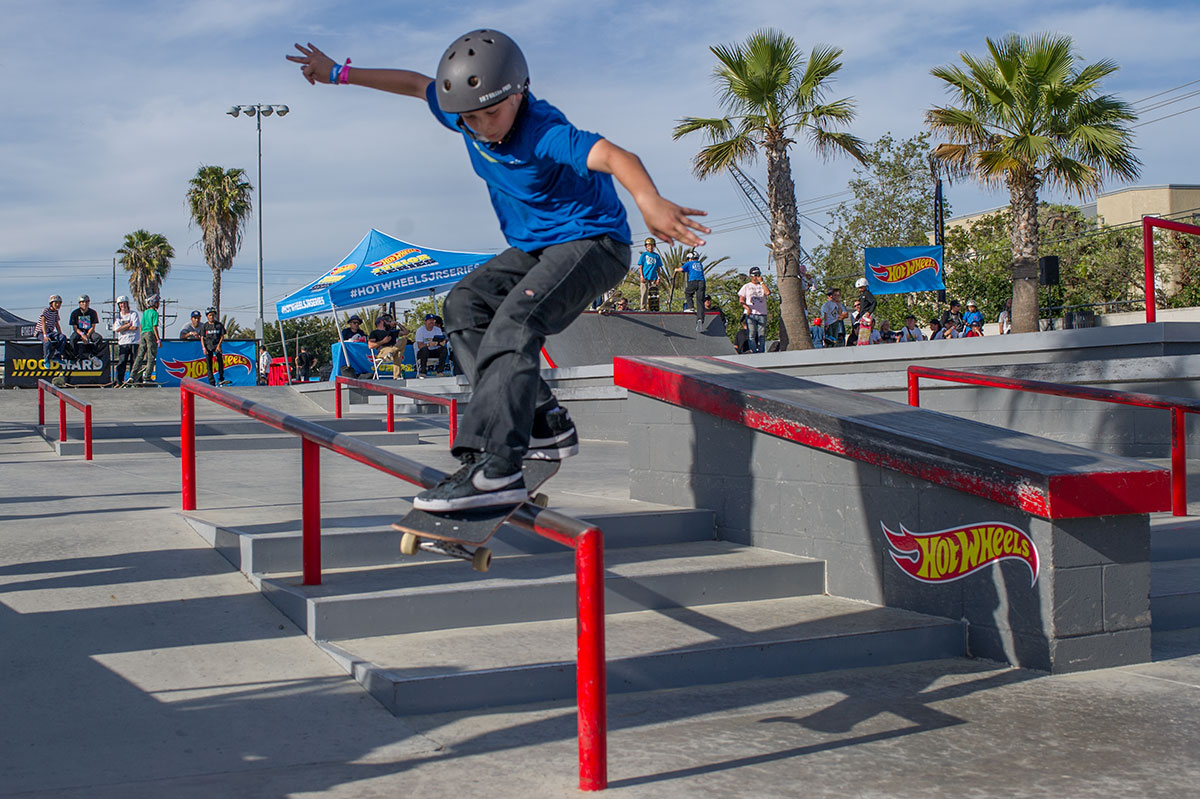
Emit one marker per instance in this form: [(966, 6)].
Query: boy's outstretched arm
[(664, 219), (316, 66)]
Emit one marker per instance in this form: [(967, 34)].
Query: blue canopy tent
[(380, 269)]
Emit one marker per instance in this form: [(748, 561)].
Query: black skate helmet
[(479, 69), (210, 310)]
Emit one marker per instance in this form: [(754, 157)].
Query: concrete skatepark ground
[(138, 662)]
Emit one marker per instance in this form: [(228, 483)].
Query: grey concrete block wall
[(1088, 609)]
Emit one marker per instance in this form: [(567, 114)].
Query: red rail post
[(187, 448), (310, 514), (591, 680), (337, 398), (391, 416), (87, 432), (453, 421), (41, 404), (62, 419), (1178, 462), (914, 390), (1148, 260)]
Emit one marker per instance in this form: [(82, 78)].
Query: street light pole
[(258, 111)]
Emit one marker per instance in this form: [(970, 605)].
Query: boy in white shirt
[(431, 341), (127, 325)]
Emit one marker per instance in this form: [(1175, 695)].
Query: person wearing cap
[(833, 318), (431, 342), (693, 295), (753, 297), (952, 320), (86, 338), (910, 331), (384, 342), (865, 321), (972, 315), (817, 332), (191, 331), (126, 326), (649, 264), (49, 330), (353, 330), (552, 187), (147, 354), (212, 335)]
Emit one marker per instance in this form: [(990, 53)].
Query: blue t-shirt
[(970, 317), (650, 262), (694, 270), (538, 179)]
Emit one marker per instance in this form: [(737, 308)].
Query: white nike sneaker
[(484, 481)]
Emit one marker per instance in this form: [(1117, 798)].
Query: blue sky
[(109, 109)]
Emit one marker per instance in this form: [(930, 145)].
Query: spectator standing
[(817, 331), (49, 330), (264, 366), (126, 327), (353, 330), (833, 319), (86, 338), (972, 315), (693, 295), (649, 265), (866, 311), (910, 331), (191, 331), (952, 321), (741, 339), (753, 297), (212, 335), (431, 342), (305, 363), (147, 354), (1005, 318)]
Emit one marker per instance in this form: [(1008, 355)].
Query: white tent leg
[(283, 341)]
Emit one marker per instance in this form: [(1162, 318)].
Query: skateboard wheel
[(481, 561), (540, 499), (409, 544)]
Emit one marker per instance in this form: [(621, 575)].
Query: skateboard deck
[(453, 532), (652, 298)]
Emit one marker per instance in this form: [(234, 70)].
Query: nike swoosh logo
[(485, 483)]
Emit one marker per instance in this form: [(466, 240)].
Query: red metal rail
[(65, 399), (1178, 406), (1148, 225), (392, 392), (587, 540)]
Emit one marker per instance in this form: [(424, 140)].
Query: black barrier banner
[(23, 367)]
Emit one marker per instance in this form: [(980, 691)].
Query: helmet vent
[(473, 81), (471, 51), (451, 55), (446, 84), (490, 41)]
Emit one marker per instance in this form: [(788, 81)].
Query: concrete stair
[(1175, 573), (505, 664)]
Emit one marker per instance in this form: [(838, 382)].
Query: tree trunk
[(1022, 190), (216, 296), (785, 245)]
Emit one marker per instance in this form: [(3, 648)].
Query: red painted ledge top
[(1043, 477)]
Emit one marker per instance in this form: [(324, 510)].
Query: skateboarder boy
[(212, 334), (551, 186), (649, 262)]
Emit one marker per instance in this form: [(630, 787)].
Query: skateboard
[(462, 534), (652, 298)]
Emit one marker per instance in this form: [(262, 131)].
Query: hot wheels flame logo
[(952, 554), (333, 276), (894, 273), (404, 259), (197, 368)]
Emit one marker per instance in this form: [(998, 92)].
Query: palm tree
[(219, 201), (771, 93), (147, 258), (1025, 117)]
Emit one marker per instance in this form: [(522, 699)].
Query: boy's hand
[(670, 222), (314, 64)]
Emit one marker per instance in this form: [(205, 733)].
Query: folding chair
[(377, 361)]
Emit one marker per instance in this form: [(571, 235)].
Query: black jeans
[(425, 353), (125, 354), (694, 294), (497, 319), (209, 357)]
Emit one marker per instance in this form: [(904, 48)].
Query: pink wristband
[(344, 75)]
